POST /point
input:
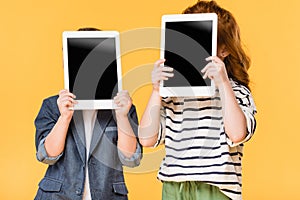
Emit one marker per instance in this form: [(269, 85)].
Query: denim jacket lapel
[(77, 127), (103, 118)]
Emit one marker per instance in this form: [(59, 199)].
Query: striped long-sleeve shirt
[(197, 147)]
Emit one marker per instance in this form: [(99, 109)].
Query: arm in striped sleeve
[(162, 128), (246, 102)]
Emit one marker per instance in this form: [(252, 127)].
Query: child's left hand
[(123, 102), (215, 70)]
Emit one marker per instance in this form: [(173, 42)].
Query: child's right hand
[(66, 103), (160, 73)]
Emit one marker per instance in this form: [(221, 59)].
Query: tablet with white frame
[(186, 40), (92, 67)]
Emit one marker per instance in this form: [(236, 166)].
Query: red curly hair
[(237, 62)]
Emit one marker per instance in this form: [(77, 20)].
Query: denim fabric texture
[(65, 175)]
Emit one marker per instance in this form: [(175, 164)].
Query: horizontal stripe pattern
[(197, 147), (203, 166)]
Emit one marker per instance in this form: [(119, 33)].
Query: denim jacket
[(65, 176)]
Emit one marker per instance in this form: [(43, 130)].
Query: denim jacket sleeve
[(44, 122), (42, 156), (135, 159)]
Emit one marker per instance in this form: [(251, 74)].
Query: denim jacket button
[(78, 191)]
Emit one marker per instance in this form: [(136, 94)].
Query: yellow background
[(31, 69)]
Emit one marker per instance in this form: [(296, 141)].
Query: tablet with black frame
[(186, 40), (92, 67)]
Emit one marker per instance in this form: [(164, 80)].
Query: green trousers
[(191, 190)]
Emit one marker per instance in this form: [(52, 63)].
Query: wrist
[(155, 88), (224, 85), (155, 92), (66, 117), (226, 90), (121, 117)]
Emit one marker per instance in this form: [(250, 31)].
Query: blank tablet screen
[(92, 68), (187, 44)]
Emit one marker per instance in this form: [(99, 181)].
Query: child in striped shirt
[(204, 136)]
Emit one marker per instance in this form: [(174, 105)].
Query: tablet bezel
[(189, 90), (92, 104)]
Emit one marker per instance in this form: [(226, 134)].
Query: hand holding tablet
[(160, 73), (65, 103), (123, 102), (215, 70)]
